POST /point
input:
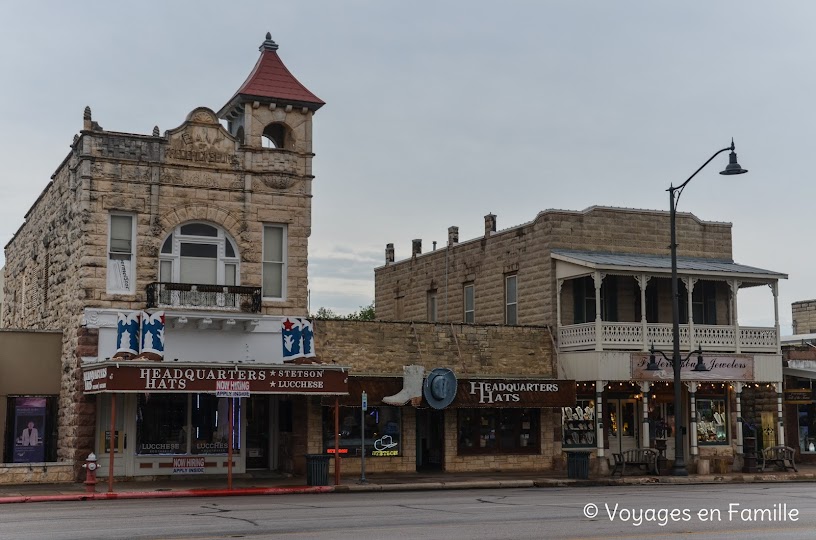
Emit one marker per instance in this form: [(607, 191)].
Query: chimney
[(389, 253), (453, 235), (434, 245), (416, 247), (86, 119), (490, 224)]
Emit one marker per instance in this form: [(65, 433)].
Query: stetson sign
[(296, 379), (515, 393)]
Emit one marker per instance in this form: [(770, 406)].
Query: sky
[(441, 112)]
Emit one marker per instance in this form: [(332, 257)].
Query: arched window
[(240, 135), (276, 135), (199, 253)]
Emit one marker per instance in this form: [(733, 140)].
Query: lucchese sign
[(121, 377), (515, 393)]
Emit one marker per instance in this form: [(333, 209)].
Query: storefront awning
[(472, 392), (123, 377)]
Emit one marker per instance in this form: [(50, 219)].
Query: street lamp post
[(733, 167)]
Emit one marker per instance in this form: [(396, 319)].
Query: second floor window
[(432, 313), (121, 259), (703, 302), (274, 261), (511, 299), (583, 294), (198, 253), (470, 308)]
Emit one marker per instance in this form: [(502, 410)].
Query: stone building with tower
[(203, 230), (599, 281)]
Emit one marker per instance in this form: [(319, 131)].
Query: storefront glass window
[(383, 431), (807, 427), (39, 444), (498, 431), (579, 424), (712, 421), (211, 424), (161, 421)]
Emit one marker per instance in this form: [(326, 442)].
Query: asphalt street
[(780, 511)]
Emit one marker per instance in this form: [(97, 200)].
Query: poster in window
[(29, 429)]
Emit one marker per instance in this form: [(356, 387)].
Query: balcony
[(229, 298), (630, 336)]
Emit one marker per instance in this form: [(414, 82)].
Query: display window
[(712, 420), (498, 431), (30, 433), (578, 425), (383, 431), (179, 424)]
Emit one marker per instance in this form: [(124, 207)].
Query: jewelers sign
[(721, 367), (296, 379), (514, 393)]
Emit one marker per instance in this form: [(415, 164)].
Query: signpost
[(362, 437)]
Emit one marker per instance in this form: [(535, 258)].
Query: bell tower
[(272, 109)]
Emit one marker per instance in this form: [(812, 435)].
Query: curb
[(165, 494)]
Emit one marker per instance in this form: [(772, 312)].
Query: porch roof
[(661, 264)]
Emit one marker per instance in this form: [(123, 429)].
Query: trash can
[(578, 465), (317, 469)]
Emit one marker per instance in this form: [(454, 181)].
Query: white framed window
[(199, 253), (511, 299), (121, 254), (274, 261), (432, 312), (468, 293)]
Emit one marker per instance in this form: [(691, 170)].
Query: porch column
[(597, 277), (690, 283), (692, 388), (642, 281), (599, 429), (738, 396), (734, 288), (775, 289), (644, 389), (558, 284), (780, 423)]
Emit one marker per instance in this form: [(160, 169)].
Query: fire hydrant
[(90, 477)]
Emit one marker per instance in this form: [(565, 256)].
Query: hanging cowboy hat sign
[(440, 388)]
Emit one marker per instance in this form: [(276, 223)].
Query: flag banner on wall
[(297, 335), (127, 335), (29, 429), (152, 335)]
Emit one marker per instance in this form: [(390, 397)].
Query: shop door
[(430, 440), (258, 430), (622, 424)]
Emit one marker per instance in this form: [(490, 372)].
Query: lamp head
[(700, 364), (652, 365), (733, 167)]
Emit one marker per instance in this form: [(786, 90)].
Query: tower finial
[(268, 45)]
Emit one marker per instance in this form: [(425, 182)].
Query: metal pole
[(679, 468), (229, 447), (362, 439), (112, 441), (336, 441)]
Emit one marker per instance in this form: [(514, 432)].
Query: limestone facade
[(57, 262), (804, 317), (402, 288)]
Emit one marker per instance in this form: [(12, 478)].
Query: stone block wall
[(383, 348), (401, 289), (41, 473), (804, 317)]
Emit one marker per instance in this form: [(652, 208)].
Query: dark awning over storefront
[(520, 393), (311, 379)]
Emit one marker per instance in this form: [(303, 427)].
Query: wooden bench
[(781, 456), (639, 458)]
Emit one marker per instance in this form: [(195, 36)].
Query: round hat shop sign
[(440, 388)]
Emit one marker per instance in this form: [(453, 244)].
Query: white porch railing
[(629, 336)]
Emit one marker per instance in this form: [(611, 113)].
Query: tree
[(366, 313)]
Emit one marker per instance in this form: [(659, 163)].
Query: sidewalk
[(217, 487)]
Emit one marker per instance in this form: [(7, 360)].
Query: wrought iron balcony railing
[(199, 296)]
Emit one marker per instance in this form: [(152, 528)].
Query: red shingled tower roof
[(271, 81)]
